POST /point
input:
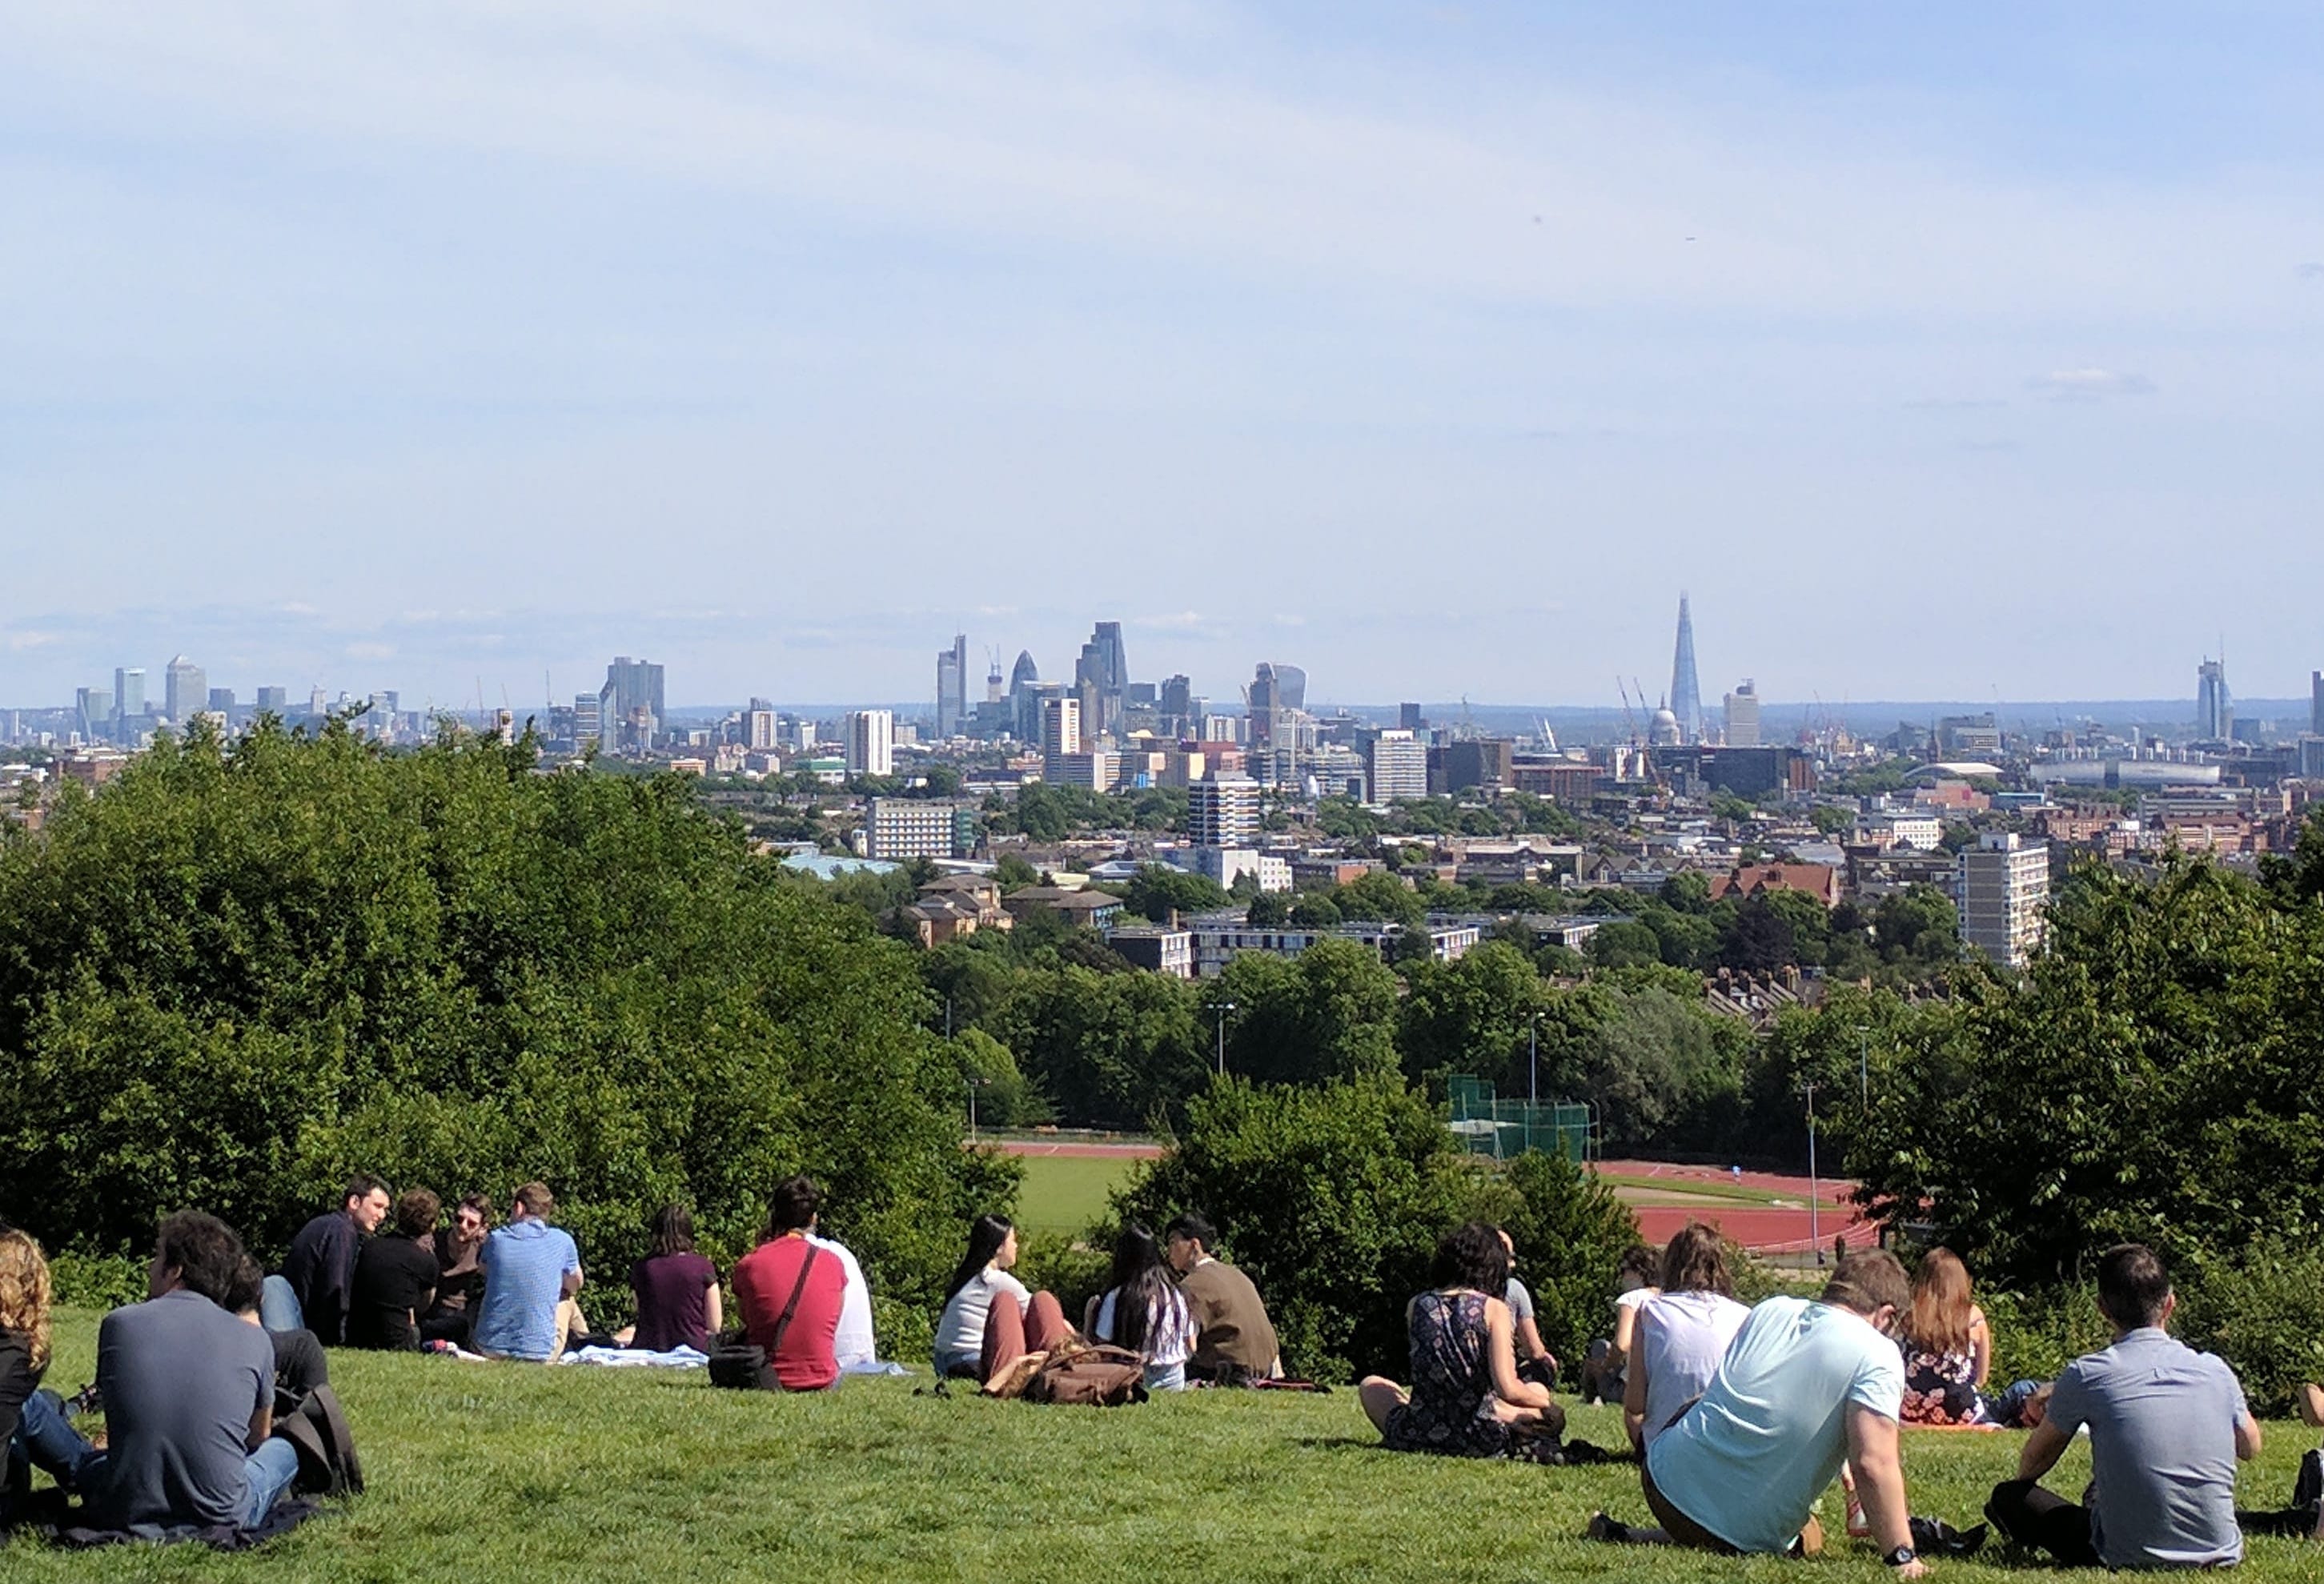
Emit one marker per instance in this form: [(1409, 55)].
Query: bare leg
[(1381, 1397)]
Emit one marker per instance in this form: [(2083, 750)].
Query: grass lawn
[(491, 1472), (1065, 1194)]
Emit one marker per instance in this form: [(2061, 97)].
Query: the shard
[(1685, 691)]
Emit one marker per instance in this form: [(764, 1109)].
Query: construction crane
[(1630, 716)]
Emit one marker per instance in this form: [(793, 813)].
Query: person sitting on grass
[(1465, 1398), (790, 1292), (2167, 1426), (1143, 1310), (990, 1319), (26, 1296), (300, 1365), (531, 1272), (395, 1278), (1805, 1386), (459, 1278), (189, 1395), (318, 1272), (1948, 1349), (1233, 1337), (1681, 1333), (1604, 1370), (1535, 1362), (854, 1345), (677, 1288)]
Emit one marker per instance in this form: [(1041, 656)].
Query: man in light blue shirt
[(531, 1271), (1803, 1387), (2167, 1425)]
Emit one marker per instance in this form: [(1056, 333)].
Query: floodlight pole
[(1532, 1060), (1864, 1063), (1815, 1194), (1222, 1010)]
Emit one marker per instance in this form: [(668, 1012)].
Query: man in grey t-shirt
[(1535, 1362), (2167, 1424)]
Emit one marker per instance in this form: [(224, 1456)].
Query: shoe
[(1859, 1527), (1607, 1530), (84, 1401), (2309, 1487)]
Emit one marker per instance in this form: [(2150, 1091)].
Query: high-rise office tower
[(2316, 703), (1024, 698), (1290, 687), (952, 686), (1409, 719), (1061, 734), (2214, 711), (2005, 885), (93, 706), (1396, 771), (588, 719), (1101, 678), (1222, 811), (871, 743), (630, 706), (760, 727), (273, 701), (1685, 691), (1263, 705), (1175, 704), (128, 692), (185, 690), (1743, 717), (995, 690), (222, 701)]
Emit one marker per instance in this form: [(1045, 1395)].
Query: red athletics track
[(1077, 1149), (1762, 1228)]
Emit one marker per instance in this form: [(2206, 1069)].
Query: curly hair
[(1471, 1254), (25, 1293)]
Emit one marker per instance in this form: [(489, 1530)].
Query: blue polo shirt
[(524, 1264)]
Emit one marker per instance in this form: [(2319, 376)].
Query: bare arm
[(1501, 1355), (1634, 1403), (2042, 1449), (2246, 1437), (1980, 1347), (1530, 1338), (572, 1281), (714, 1310), (1872, 1452), (1626, 1330)]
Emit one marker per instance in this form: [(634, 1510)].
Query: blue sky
[(1937, 351)]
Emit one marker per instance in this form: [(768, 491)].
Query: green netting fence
[(1504, 1129)]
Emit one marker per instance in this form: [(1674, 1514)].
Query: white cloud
[(1176, 622), (2090, 385)]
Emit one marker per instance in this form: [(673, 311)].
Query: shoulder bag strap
[(783, 1322)]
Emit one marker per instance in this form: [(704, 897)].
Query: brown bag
[(1097, 1374)]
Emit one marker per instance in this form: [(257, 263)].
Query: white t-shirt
[(1682, 1337), (852, 1343), (1748, 1461), (1169, 1329), (961, 1329)]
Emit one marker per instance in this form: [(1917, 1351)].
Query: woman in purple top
[(677, 1288)]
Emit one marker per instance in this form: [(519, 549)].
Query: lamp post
[(973, 1084), (1533, 1059), (1815, 1194), (1864, 1063), (1222, 1010)]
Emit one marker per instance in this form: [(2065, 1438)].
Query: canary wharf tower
[(1685, 691)]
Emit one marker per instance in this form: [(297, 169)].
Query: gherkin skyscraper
[(1685, 691)]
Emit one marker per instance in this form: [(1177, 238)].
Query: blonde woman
[(33, 1428)]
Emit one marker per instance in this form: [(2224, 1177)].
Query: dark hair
[(792, 1206), (1869, 1279), (2133, 1285), (1639, 1261), (986, 1234), (362, 1185), (1471, 1254), (537, 1199), (1193, 1228), (249, 1287), (415, 1213), (203, 1251), (1696, 1261), (482, 1204), (1141, 1282), (672, 1231)]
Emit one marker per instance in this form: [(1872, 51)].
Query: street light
[(973, 1084), (1864, 1063), (1815, 1194), (1533, 1060), (1222, 1010)]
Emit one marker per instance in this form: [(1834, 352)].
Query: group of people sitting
[(1740, 1418)]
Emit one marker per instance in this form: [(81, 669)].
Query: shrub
[(1570, 1232), (2263, 1312), (97, 1281)]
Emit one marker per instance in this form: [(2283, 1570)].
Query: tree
[(1269, 910), (1687, 891), (1378, 896), (1918, 925), (1014, 873), (1109, 1050), (1612, 944), (1659, 1069), (1156, 890), (1471, 1017), (1328, 1013), (1314, 910), (1759, 939)]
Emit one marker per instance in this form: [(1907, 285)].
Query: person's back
[(673, 1293), (1231, 1322), (395, 1278), (320, 1268), (765, 1279), (2163, 1419), (181, 1380), (1748, 1461), (1681, 1339), (526, 1265), (854, 1344)]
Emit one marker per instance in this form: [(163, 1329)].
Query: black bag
[(744, 1368), (314, 1424)]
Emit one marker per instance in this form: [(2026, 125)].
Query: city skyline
[(1388, 345)]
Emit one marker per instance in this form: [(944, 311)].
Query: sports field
[(516, 1474), (1066, 1181)]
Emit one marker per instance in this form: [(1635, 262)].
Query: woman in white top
[(1683, 1334), (990, 1319), (1143, 1311), (1603, 1372)]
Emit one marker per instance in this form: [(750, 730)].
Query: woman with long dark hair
[(678, 1302), (1465, 1398), (1143, 1311), (991, 1319)]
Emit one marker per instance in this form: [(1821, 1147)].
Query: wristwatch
[(1901, 1555)]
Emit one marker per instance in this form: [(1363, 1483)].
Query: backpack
[(1098, 1375), (317, 1426)]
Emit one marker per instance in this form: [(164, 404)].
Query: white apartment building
[(1396, 768), (897, 828), (2004, 886), (1923, 833), (1222, 811), (1061, 735), (871, 742)]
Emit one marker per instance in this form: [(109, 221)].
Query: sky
[(1937, 352)]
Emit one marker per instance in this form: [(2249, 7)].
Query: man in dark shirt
[(189, 1393), (319, 1270), (395, 1278)]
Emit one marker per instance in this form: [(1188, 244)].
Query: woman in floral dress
[(1465, 1399)]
